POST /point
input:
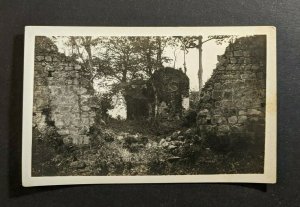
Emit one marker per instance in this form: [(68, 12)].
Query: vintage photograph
[(161, 104)]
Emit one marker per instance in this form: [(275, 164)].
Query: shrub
[(108, 160), (189, 118), (133, 143), (157, 161), (45, 148), (229, 142)]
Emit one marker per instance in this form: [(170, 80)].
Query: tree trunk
[(184, 61), (200, 71), (159, 53), (149, 65)]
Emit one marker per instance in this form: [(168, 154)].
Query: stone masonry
[(235, 95), (61, 94)]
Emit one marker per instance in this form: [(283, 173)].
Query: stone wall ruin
[(171, 92), (164, 95), (62, 95), (233, 100)]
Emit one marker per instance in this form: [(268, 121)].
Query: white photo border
[(269, 175)]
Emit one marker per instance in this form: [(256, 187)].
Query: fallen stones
[(171, 147)]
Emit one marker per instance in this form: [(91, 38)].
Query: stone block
[(203, 112), (202, 120), (246, 53), (68, 140), (242, 112), (233, 60), (241, 60), (67, 120), (232, 120), (228, 94), (209, 128), (92, 121), (217, 94), (69, 82), (85, 114), (218, 120), (262, 84), (59, 123), (84, 129), (39, 58), (220, 57), (235, 67), (75, 122), (262, 93), (260, 75), (63, 131), (247, 61), (207, 105), (49, 68), (228, 54), (77, 67), (48, 58), (82, 91), (248, 76), (255, 67), (218, 86), (229, 67), (77, 139), (229, 48), (68, 68), (253, 119), (222, 129), (85, 108), (217, 111), (72, 74), (86, 139), (73, 130), (248, 67), (39, 81), (55, 59), (218, 104), (221, 67), (253, 112), (206, 97), (238, 53), (242, 119), (226, 103)]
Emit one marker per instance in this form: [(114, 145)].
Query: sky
[(210, 51)]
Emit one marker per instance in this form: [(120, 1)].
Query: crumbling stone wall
[(137, 96), (170, 92), (233, 99), (61, 94), (164, 95)]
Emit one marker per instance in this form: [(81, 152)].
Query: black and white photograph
[(140, 105)]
